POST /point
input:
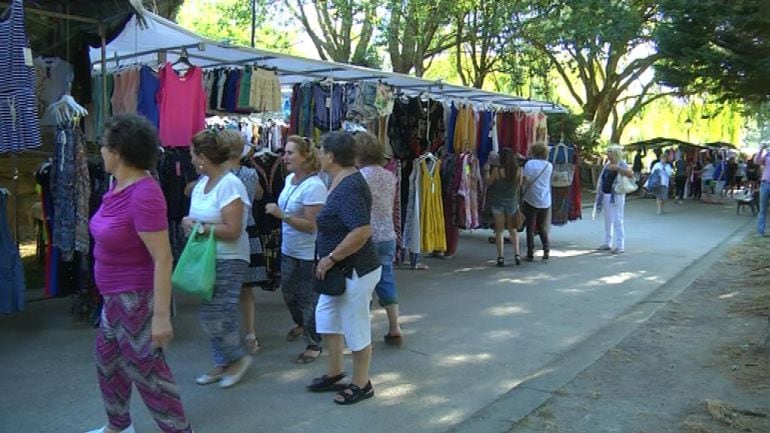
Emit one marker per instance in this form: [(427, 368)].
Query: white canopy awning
[(142, 43)]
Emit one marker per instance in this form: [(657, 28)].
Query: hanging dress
[(19, 124), (433, 234)]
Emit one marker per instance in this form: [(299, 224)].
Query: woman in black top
[(344, 239)]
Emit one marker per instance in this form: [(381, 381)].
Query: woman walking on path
[(612, 203), (661, 179), (221, 203), (536, 202), (503, 189), (256, 273), (297, 208), (344, 240), (370, 158), (132, 267), (762, 160)]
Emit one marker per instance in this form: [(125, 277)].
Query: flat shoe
[(252, 343), (231, 379), (326, 383), (129, 429), (294, 333), (305, 358), (209, 378), (394, 340)]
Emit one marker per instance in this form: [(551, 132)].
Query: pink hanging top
[(181, 105)]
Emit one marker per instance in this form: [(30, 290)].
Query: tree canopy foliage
[(716, 46)]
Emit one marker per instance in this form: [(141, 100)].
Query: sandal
[(500, 262), (252, 343), (294, 333), (307, 358), (517, 259), (353, 394), (394, 340), (326, 383)]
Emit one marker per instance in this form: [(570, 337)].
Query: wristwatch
[(286, 217), (331, 257), (202, 229)]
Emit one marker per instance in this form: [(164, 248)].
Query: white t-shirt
[(708, 171), (207, 208), (538, 194), (310, 192)]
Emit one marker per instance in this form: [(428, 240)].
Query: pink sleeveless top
[(181, 105)]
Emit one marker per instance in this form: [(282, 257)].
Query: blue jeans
[(764, 195), (386, 287)]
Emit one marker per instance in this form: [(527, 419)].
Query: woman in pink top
[(133, 272)]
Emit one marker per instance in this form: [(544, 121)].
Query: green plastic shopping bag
[(195, 271)]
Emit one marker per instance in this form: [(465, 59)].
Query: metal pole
[(253, 22), (104, 76)]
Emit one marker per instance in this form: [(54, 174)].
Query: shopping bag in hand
[(195, 271)]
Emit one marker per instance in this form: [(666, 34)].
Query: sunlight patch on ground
[(386, 377), (467, 269), (395, 393), (455, 360), (292, 376), (529, 279), (451, 417), (569, 253), (501, 335), (618, 278), (410, 318), (507, 310), (728, 295)]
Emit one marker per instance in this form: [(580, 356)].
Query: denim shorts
[(386, 287)]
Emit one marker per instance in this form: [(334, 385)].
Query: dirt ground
[(701, 364)]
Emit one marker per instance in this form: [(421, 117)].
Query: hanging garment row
[(243, 90), (174, 100)]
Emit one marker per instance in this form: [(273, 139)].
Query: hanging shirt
[(147, 105), (182, 106)]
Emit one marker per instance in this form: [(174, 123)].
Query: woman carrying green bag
[(220, 204)]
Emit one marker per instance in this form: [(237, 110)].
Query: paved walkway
[(473, 333)]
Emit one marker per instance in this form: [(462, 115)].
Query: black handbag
[(333, 283)]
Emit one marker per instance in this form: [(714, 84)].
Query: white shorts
[(348, 314)]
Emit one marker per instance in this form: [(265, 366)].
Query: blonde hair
[(306, 147), (235, 140), (539, 151), (615, 150)]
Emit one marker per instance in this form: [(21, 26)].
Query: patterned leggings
[(219, 317), (124, 356)]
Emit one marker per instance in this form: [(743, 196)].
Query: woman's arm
[(349, 245), (304, 223), (231, 227), (157, 244), (490, 175)]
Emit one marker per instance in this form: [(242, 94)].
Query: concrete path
[(474, 333)]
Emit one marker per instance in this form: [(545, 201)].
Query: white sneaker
[(129, 429), (210, 377), (231, 379), (617, 251)]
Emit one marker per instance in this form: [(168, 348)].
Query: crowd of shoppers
[(342, 224)]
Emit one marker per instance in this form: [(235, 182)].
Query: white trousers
[(614, 233)]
